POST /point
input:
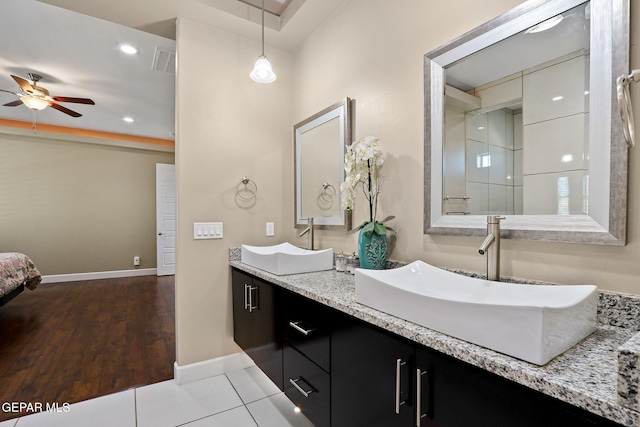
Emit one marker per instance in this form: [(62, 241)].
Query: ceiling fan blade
[(8, 91), (12, 104), (76, 100), (24, 84), (65, 110)]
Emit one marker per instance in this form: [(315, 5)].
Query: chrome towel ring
[(328, 192), (624, 102), (246, 189)]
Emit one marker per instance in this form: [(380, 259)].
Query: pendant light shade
[(262, 71)]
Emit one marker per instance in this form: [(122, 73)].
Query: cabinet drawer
[(307, 386), (307, 329)]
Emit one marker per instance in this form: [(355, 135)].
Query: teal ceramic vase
[(372, 251)]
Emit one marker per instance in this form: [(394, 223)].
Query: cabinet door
[(454, 393), (266, 350), (371, 382), (242, 323), (255, 323)]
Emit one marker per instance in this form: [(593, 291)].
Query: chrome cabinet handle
[(399, 364), (297, 327), (248, 300), (300, 389), (251, 301), (419, 414)]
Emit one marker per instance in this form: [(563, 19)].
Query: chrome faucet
[(309, 230), (491, 246)]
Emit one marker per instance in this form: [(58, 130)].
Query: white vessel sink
[(534, 323), (286, 258)]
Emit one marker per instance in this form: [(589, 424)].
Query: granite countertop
[(585, 376)]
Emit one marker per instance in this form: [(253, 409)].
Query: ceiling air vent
[(164, 60)]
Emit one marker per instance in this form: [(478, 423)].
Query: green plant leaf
[(367, 230), (389, 218), (358, 228), (393, 232), (380, 229)]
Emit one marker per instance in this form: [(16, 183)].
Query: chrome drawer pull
[(419, 414), (297, 327), (300, 389), (399, 363)]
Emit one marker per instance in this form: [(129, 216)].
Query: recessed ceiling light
[(127, 48), (128, 119), (557, 98), (545, 25)]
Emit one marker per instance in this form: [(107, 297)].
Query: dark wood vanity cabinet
[(341, 371), (371, 382), (256, 308)]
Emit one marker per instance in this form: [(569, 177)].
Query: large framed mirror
[(521, 120), (320, 143)]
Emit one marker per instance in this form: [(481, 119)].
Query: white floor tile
[(252, 384), (277, 411), (237, 417), (167, 404), (107, 411)]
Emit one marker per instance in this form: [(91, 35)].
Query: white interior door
[(166, 218)]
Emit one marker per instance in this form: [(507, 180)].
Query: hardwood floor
[(68, 342)]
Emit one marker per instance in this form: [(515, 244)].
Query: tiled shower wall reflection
[(526, 149), (494, 162)]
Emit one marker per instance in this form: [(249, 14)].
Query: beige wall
[(227, 127), (371, 51), (77, 207)]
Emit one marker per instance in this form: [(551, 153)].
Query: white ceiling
[(73, 45), (78, 56)]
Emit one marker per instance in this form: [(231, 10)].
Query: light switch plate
[(207, 230), (270, 229)]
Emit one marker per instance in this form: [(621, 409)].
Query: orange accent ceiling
[(85, 132)]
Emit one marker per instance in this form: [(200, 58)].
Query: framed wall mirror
[(521, 120), (320, 143)]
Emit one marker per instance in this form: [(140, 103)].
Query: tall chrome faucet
[(491, 246), (309, 230)]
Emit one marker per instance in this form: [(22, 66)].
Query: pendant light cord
[(262, 27)]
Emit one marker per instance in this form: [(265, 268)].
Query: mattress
[(16, 269)]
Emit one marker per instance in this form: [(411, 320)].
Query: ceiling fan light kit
[(37, 97), (34, 103), (262, 70)]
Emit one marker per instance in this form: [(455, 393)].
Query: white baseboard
[(210, 368), (75, 277)]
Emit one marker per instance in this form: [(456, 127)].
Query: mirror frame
[(609, 50), (344, 112)]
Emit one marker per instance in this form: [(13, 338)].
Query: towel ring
[(328, 192), (624, 102), (245, 187)]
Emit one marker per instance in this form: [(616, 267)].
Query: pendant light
[(262, 72)]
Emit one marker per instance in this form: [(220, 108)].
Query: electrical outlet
[(136, 261), (270, 229)]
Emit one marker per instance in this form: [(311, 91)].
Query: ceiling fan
[(38, 98)]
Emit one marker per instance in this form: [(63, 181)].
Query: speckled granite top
[(585, 376)]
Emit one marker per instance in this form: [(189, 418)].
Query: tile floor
[(243, 398)]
